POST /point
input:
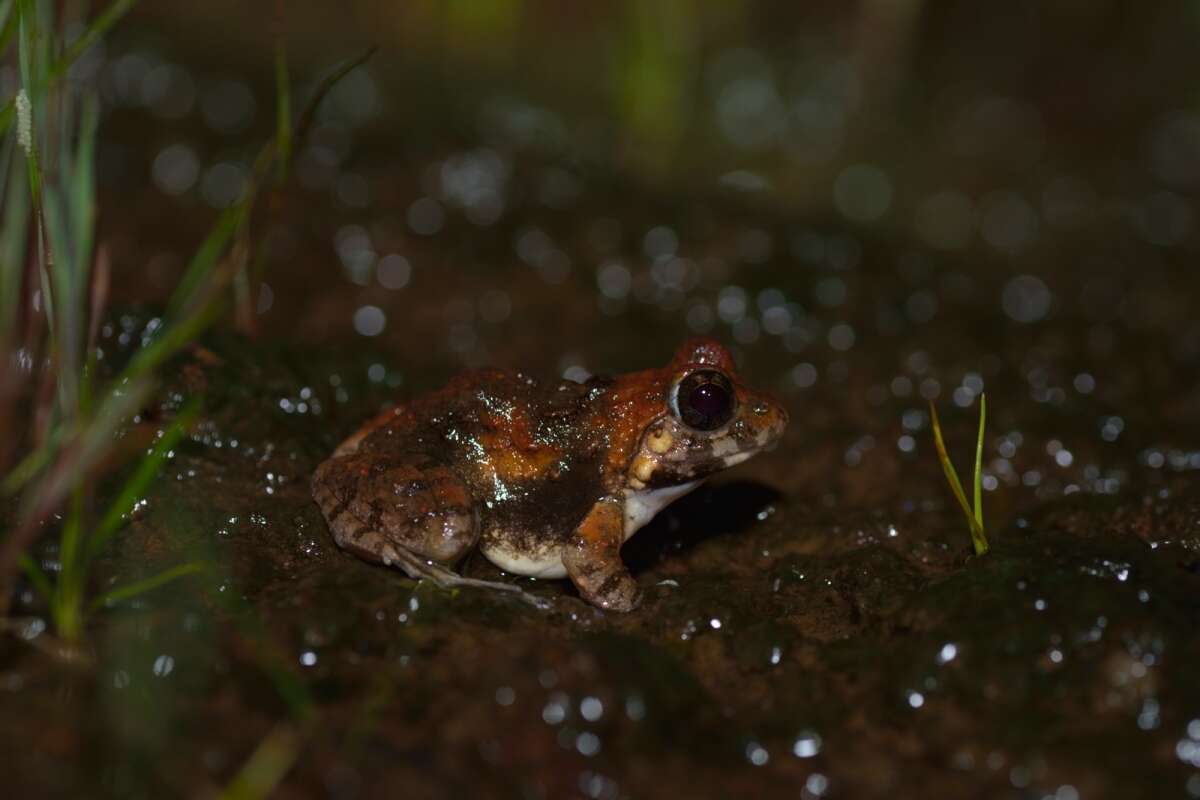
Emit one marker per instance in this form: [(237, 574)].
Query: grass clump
[(61, 424), (974, 516)]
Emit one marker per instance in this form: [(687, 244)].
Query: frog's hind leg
[(406, 511), (419, 568)]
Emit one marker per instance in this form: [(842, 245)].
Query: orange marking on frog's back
[(513, 452), (511, 462)]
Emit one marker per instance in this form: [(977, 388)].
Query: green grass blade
[(947, 465), (13, 237), (135, 487), (136, 588), (67, 603), (171, 341), (324, 87), (80, 454), (266, 766), (91, 34), (69, 540), (82, 197), (205, 260), (38, 578), (32, 57), (8, 23), (283, 109), (979, 462), (66, 292), (32, 464)]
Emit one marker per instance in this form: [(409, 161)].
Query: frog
[(545, 479)]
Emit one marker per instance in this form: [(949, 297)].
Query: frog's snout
[(768, 420)]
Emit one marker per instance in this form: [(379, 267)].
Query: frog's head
[(710, 420)]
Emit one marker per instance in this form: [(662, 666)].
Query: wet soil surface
[(814, 625)]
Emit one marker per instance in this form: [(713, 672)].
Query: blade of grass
[(8, 23), (32, 464), (76, 459), (55, 73), (205, 259), (65, 292), (266, 766), (169, 343), (32, 56), (98, 300), (135, 487), (283, 109), (979, 464), (91, 34), (37, 578), (947, 465), (974, 518), (67, 603), (136, 588), (82, 194), (8, 30), (13, 238), (323, 88)]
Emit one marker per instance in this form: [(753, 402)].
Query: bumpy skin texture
[(547, 479)]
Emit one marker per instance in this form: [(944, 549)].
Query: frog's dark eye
[(704, 400)]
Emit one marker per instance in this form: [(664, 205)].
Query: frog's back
[(528, 452)]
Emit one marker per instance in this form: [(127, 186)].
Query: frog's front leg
[(592, 557)]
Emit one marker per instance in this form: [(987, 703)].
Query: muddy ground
[(815, 623)]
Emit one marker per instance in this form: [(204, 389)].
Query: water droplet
[(756, 754), (588, 744), (591, 708), (163, 665), (1026, 299), (393, 271), (370, 320), (863, 193), (807, 744)]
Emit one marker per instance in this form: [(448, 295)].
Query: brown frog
[(547, 480)]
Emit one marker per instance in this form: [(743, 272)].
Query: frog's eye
[(704, 400)]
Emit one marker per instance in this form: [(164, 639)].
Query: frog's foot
[(592, 557), (420, 568)]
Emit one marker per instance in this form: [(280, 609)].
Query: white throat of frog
[(642, 504)]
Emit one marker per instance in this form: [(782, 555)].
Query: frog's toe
[(626, 595), (614, 593)]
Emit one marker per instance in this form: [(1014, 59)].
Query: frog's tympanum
[(547, 479)]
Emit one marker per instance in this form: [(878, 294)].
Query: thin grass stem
[(130, 590), (137, 484), (974, 516)]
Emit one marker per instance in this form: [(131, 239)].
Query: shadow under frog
[(547, 480)]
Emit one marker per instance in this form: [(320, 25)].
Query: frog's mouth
[(762, 444), (743, 455)]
